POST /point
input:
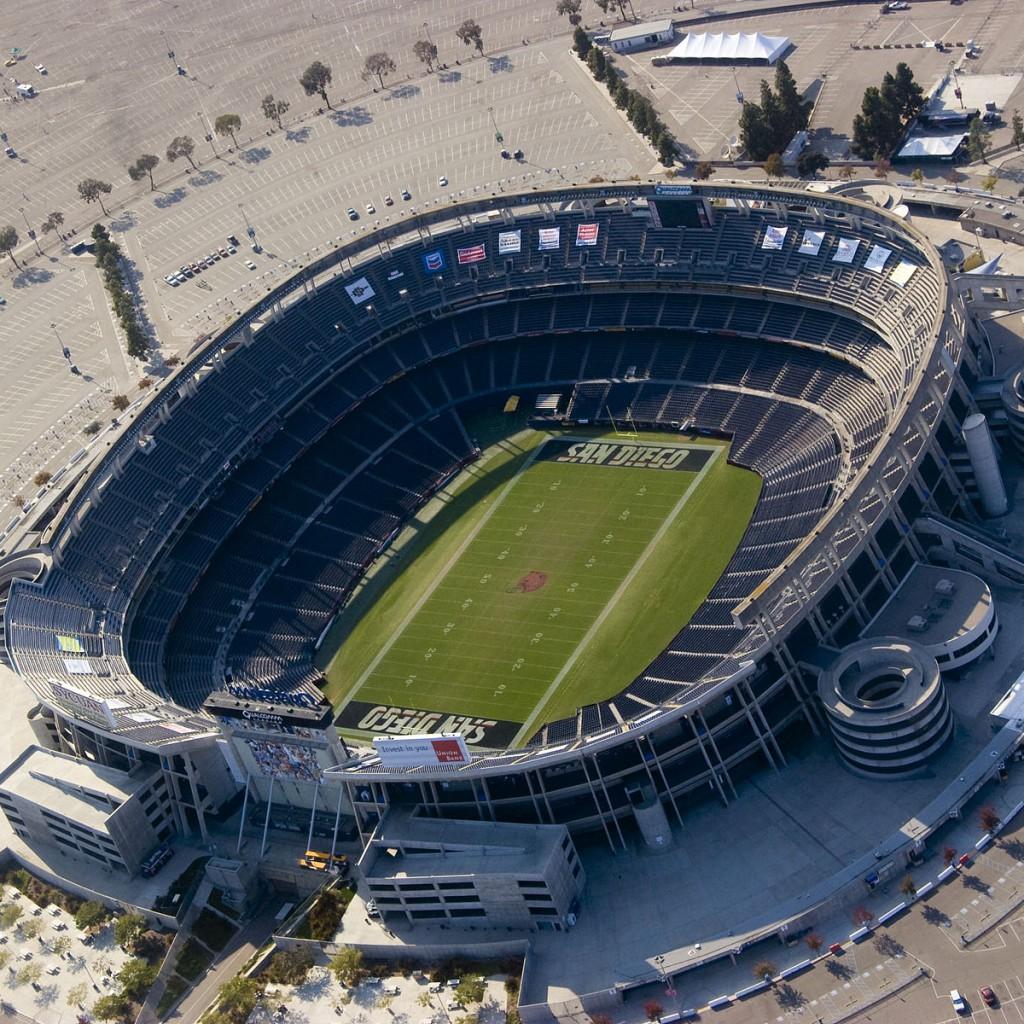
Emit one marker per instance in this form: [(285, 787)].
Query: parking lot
[(58, 973), (699, 102), (112, 93)]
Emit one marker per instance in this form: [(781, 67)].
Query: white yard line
[(440, 576), (615, 598)]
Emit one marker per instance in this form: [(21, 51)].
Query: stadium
[(767, 382)]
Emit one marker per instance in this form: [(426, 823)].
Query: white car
[(370, 208), (250, 264), (958, 1001), (172, 280), (443, 181), (388, 201), (41, 69)]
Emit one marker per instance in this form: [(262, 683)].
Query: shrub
[(42, 478), (91, 428), (120, 402), (145, 382), (653, 1009), (215, 931), (193, 960), (348, 967), (324, 916), (288, 968), (91, 915)]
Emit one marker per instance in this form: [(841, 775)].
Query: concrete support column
[(985, 463)]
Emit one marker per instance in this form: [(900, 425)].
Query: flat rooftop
[(429, 846), (944, 615), (645, 28), (88, 793)]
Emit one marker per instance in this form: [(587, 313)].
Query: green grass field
[(534, 586)]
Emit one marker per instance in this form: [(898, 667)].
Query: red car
[(988, 997)]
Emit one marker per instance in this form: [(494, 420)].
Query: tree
[(8, 243), (755, 135), (1018, 129), (29, 973), (238, 997), (581, 43), (571, 9), (917, 176), (144, 166), (948, 855), (228, 124), (808, 163), (61, 945), (882, 167), (77, 994), (53, 223), (793, 111), (814, 942), (42, 478), (378, 65), (773, 166), (32, 928), (136, 978), (908, 886), (597, 63), (426, 52), (906, 93), (703, 170), (315, 79), (989, 184), (861, 916), (182, 145), (979, 140), (652, 1008), (128, 928), (347, 966), (608, 6), (92, 190), (10, 912), (666, 146), (470, 989), (848, 173), (89, 915), (471, 34), (988, 816), (877, 128), (112, 1007), (765, 970), (120, 402), (274, 110)]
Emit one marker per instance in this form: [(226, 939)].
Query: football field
[(553, 591)]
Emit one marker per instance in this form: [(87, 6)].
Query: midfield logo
[(616, 453)]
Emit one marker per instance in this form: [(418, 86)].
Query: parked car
[(406, 194), (988, 997), (9, 150), (172, 280), (352, 215), (370, 208), (442, 181), (41, 69), (388, 201), (250, 264), (958, 1001)]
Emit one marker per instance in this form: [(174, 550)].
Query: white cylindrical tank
[(985, 463)]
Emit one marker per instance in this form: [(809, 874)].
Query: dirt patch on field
[(532, 581)]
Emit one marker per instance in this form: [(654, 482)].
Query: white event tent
[(730, 47)]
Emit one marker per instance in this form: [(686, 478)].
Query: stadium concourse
[(168, 600)]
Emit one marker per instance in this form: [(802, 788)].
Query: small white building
[(642, 36)]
